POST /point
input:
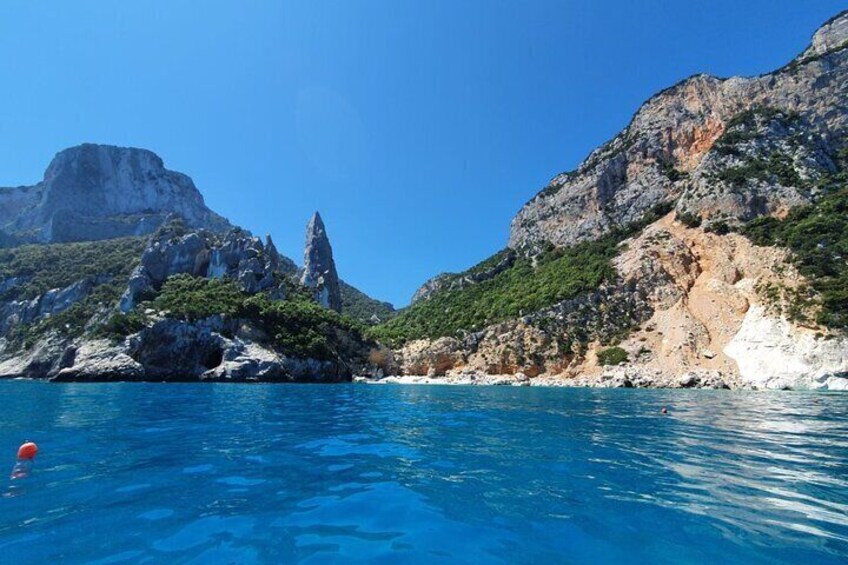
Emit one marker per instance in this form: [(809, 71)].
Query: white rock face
[(773, 353), (98, 360), (831, 35)]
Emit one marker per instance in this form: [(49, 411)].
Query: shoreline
[(615, 377)]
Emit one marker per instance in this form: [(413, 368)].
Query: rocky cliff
[(93, 192), (319, 268), (196, 299), (640, 268), (669, 151), (703, 246), (194, 306)]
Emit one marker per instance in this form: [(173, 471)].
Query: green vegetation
[(120, 325), (612, 356), (778, 167), (361, 307), (689, 219), (296, 326), (72, 322), (720, 227), (673, 174), (523, 288), (743, 127), (45, 267), (818, 237)]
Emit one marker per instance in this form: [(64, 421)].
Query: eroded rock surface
[(92, 192), (660, 153), (319, 268)]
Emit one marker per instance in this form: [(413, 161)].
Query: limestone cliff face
[(319, 268), (689, 307), (92, 192), (668, 147)]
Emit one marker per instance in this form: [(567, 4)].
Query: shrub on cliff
[(526, 286), (296, 326), (612, 356), (818, 237), (45, 267), (523, 288)]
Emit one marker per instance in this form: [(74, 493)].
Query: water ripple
[(221, 473)]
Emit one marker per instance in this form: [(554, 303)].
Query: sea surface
[(185, 473)]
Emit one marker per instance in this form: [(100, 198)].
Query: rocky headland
[(711, 228), (702, 247)]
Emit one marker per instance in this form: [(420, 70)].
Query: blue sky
[(417, 129)]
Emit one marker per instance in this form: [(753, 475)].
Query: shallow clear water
[(256, 473)]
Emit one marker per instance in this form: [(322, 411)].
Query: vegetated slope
[(527, 285), (39, 268), (29, 274), (763, 156), (359, 306), (817, 235), (295, 325), (193, 305)]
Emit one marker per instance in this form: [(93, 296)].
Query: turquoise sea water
[(354, 473)]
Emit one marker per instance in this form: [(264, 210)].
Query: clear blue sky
[(418, 129)]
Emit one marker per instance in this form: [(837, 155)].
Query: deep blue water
[(353, 473)]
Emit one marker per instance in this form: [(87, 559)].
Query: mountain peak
[(316, 223), (92, 191), (833, 34)]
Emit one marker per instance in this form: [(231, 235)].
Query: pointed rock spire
[(319, 269), (273, 254)]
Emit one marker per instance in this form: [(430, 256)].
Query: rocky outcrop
[(171, 350), (765, 163), (43, 360), (689, 310), (319, 268), (832, 35), (98, 360), (690, 307), (657, 157), (773, 353), (431, 287), (51, 302), (92, 192), (238, 256)]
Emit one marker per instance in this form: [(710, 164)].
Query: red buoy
[(28, 450)]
